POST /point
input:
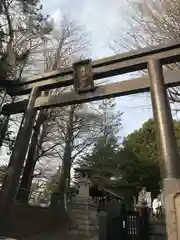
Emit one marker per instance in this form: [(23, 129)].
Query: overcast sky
[(102, 19)]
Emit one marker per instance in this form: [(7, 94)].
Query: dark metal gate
[(136, 225), (121, 224), (131, 225)]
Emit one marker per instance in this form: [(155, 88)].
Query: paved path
[(53, 237), (57, 236)]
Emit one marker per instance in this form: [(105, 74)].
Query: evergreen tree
[(103, 156), (139, 157)]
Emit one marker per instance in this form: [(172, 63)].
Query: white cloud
[(101, 18), (56, 16)]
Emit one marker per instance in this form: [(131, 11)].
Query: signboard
[(83, 76)]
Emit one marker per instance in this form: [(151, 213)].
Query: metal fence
[(122, 223)]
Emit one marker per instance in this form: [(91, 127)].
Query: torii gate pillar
[(169, 156)]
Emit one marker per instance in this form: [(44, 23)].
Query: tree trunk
[(13, 174), (25, 185), (3, 129), (69, 176), (66, 165)]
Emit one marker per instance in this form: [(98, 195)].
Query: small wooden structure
[(97, 189)]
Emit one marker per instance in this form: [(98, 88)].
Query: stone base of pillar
[(172, 207), (80, 205)]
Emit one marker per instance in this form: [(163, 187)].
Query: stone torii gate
[(82, 75)]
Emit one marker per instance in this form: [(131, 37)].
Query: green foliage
[(103, 163), (139, 160), (103, 155), (135, 163)]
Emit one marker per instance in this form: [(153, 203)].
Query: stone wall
[(84, 214)]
